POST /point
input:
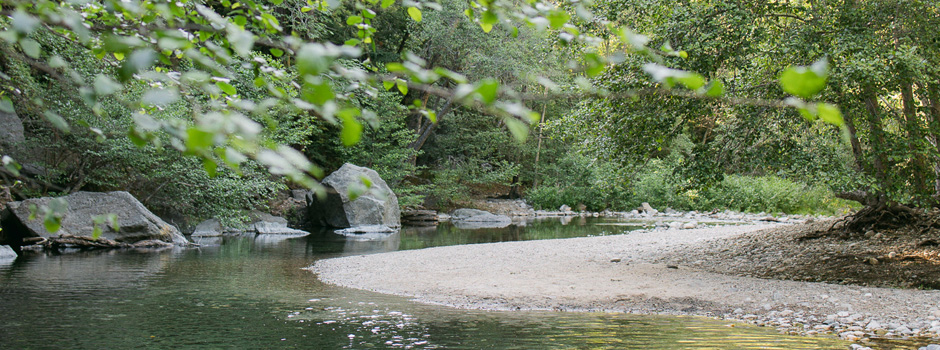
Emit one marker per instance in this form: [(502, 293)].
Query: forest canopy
[(603, 103)]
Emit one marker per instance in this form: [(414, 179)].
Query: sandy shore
[(619, 273)]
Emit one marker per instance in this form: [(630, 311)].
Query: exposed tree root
[(887, 215)]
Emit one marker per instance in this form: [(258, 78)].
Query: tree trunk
[(853, 136), (538, 148), (877, 131), (914, 139), (933, 113)]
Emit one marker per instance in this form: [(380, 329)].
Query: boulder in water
[(377, 206), (474, 219), (135, 222)]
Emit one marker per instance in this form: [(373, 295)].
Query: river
[(251, 292)]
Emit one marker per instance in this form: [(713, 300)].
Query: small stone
[(672, 266), (873, 261), (615, 260), (892, 255)]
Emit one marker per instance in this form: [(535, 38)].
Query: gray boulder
[(11, 129), (365, 229), (262, 224), (208, 228), (267, 224), (377, 206), (136, 222), (7, 253), (473, 219)]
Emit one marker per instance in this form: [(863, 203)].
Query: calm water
[(250, 292)]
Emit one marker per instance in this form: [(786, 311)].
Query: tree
[(200, 55)]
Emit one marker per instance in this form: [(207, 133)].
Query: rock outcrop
[(136, 223), (262, 224), (417, 217), (474, 219), (376, 206), (11, 129)]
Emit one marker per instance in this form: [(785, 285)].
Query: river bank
[(652, 272)]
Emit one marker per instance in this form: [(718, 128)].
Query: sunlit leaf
[(415, 13), (352, 130), (830, 114), (558, 18), (805, 82), (226, 87), (715, 89), (488, 89)]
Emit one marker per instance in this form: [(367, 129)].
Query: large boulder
[(11, 130), (377, 206), (136, 222), (473, 219)]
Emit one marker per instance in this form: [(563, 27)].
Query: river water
[(252, 293)]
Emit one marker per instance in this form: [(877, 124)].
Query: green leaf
[(805, 82), (692, 81), (715, 89), (240, 40), (352, 42), (277, 52), (105, 86), (352, 130), (311, 59), (22, 22), (52, 224), (226, 87), (211, 166), (487, 20), (830, 114), (558, 18), (57, 121), (518, 129), (52, 219), (415, 13), (197, 139), (355, 190), (402, 87), (30, 47), (11, 165), (354, 20), (388, 85), (137, 61), (318, 92), (159, 97), (6, 105), (387, 3), (488, 89)]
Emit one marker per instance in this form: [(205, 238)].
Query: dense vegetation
[(206, 109)]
